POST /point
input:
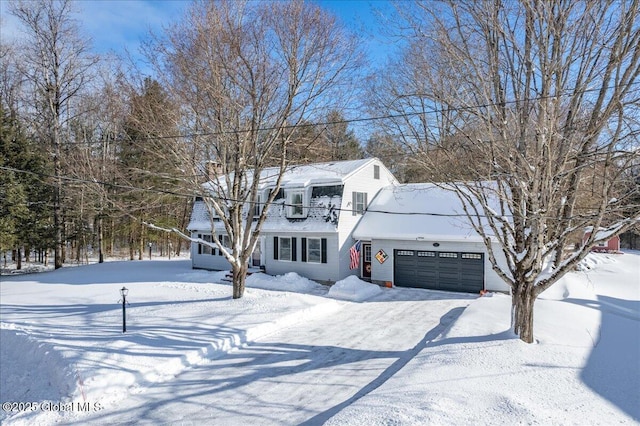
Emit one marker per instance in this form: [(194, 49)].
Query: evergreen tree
[(25, 211), (148, 163)]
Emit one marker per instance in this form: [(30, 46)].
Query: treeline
[(94, 151)]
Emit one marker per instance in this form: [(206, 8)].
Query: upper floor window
[(295, 204), (359, 202), (256, 208), (376, 171)]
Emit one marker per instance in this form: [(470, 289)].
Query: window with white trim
[(284, 248), (295, 199), (359, 203), (205, 248), (376, 171), (256, 208), (314, 250), (226, 242)]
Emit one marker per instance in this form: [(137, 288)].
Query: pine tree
[(25, 211)]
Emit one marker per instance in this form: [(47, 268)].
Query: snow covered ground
[(292, 352)]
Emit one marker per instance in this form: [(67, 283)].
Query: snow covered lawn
[(355, 355)]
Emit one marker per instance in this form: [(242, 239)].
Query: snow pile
[(594, 259), (31, 371), (287, 282), (202, 276), (354, 289)]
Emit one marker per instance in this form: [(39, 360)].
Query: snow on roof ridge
[(341, 170)]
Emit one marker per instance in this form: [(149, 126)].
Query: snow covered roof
[(199, 217), (309, 174), (414, 212), (322, 216), (323, 210)]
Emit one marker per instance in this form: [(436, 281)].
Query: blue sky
[(116, 25)]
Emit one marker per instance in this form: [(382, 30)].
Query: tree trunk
[(58, 223), (19, 259), (239, 278), (132, 243), (140, 247), (100, 240), (522, 313)]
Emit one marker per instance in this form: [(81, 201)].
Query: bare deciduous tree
[(246, 73), (544, 95)]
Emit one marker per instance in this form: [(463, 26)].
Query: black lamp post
[(149, 251), (124, 292)]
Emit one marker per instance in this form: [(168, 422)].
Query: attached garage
[(437, 250), (439, 270)]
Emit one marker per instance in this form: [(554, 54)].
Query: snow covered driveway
[(305, 373)]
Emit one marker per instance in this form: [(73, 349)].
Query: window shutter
[(365, 203), (275, 248), (293, 249), (304, 249), (323, 248)]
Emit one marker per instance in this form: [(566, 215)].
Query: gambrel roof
[(324, 206)]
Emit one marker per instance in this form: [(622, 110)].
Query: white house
[(416, 235), (412, 235), (309, 225)]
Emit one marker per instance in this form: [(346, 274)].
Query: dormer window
[(295, 201), (257, 207)]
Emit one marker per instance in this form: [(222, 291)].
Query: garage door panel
[(450, 271)]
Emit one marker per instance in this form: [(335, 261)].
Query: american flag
[(354, 253)]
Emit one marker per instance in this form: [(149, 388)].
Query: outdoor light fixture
[(124, 292), (436, 244)]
